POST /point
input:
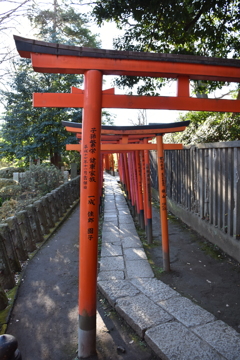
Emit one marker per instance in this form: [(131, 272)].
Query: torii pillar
[(89, 208)]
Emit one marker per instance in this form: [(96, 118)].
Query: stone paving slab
[(124, 231), (113, 290), (124, 212), (138, 268), (109, 249), (155, 289), (108, 233), (173, 326), (112, 262), (108, 216), (173, 341), (131, 241), (185, 311), (134, 254), (141, 313), (125, 219), (111, 236), (111, 275), (111, 223), (221, 337)]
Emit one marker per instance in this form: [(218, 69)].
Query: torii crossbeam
[(94, 63)]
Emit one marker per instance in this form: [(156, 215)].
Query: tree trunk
[(56, 159)]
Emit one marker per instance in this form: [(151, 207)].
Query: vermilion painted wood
[(139, 189), (89, 212), (127, 147), (49, 63), (127, 182), (139, 102), (144, 187), (126, 132), (148, 195), (163, 204), (135, 181), (131, 185)]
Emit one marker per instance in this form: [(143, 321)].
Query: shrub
[(7, 182), (41, 179), (7, 172), (10, 191), (8, 208)]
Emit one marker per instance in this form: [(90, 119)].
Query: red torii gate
[(94, 63), (115, 139)]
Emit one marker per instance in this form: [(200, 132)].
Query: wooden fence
[(203, 189)]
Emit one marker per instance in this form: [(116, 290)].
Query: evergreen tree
[(38, 132)]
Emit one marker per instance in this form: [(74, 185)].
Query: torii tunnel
[(93, 64)]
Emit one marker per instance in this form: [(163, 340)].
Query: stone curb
[(172, 325)]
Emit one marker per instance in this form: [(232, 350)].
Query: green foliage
[(63, 24), (6, 182), (10, 191), (41, 179), (38, 132), (207, 127), (208, 28), (7, 172), (35, 132)]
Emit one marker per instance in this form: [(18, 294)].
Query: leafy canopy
[(207, 127), (197, 27), (194, 27), (38, 132)]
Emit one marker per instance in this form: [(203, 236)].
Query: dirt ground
[(199, 270)]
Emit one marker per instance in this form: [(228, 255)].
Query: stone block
[(42, 217), (73, 170), (155, 289), (111, 275), (48, 212), (17, 238), (110, 233), (125, 219), (221, 337), (185, 311), (25, 228), (138, 269), (141, 313), (34, 223), (109, 249), (134, 254), (112, 263), (116, 289), (10, 248), (6, 275), (131, 242), (173, 341), (126, 232)]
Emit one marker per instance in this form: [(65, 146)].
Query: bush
[(7, 182), (10, 191), (7, 172), (41, 179), (8, 209)]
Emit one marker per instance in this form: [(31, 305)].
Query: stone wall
[(23, 233)]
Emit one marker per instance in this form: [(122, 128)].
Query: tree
[(207, 127), (195, 27), (38, 132), (209, 28)]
